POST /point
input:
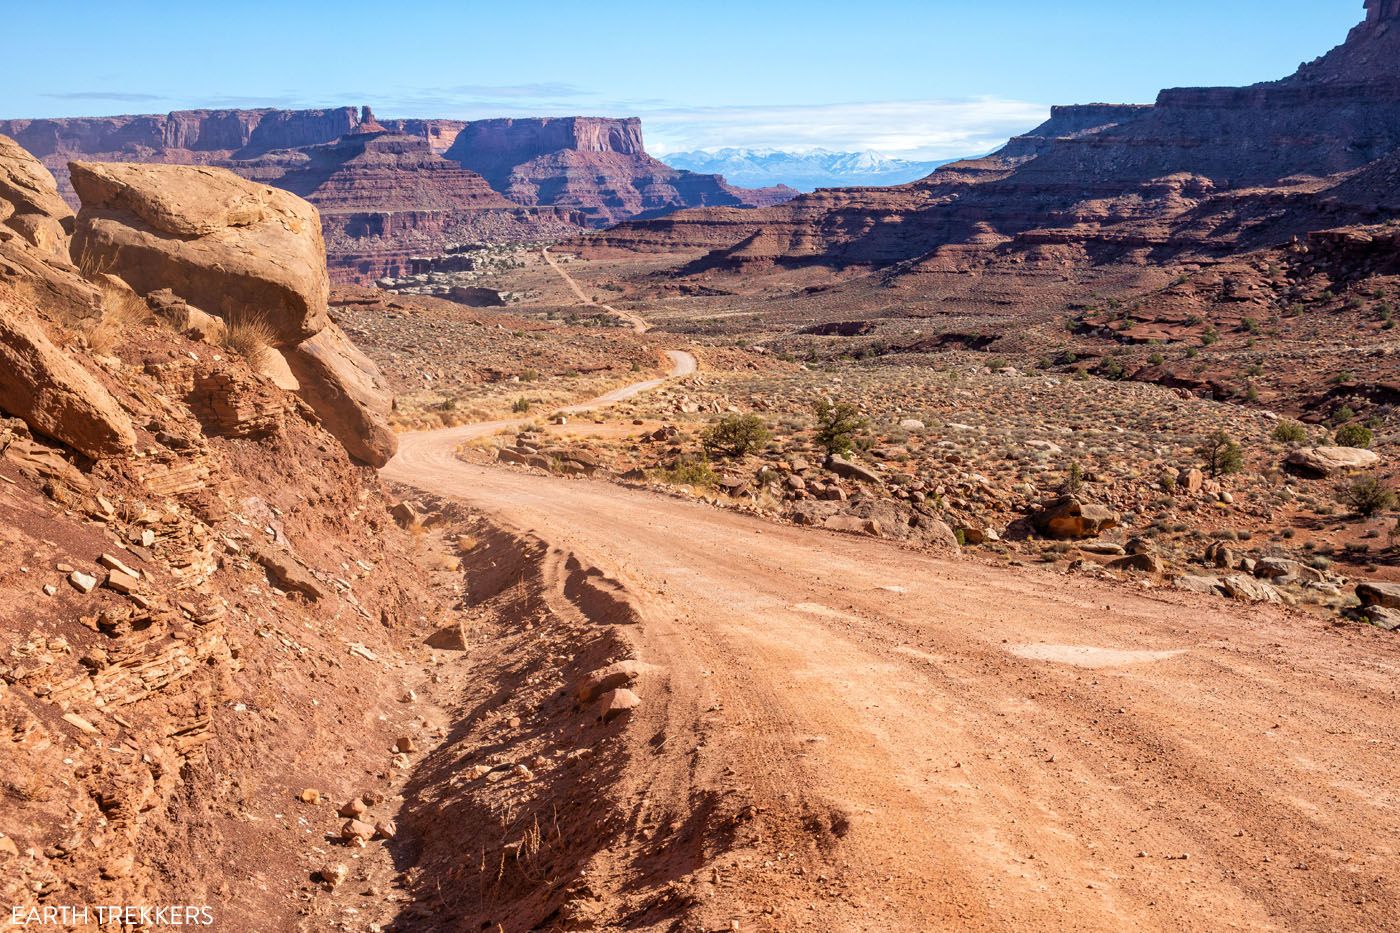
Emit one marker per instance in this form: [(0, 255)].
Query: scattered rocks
[(356, 832), (621, 674)]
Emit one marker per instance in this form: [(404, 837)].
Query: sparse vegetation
[(1354, 435), (1222, 454), (736, 436), (1290, 432), (120, 312), (690, 471), (249, 335), (838, 424), (1367, 496)]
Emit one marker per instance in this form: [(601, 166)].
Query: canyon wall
[(392, 190), (1200, 173)]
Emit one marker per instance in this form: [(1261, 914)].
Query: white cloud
[(915, 129)]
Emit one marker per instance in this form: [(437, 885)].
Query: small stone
[(333, 874), (114, 563), (82, 582), (310, 795), (50, 589), (79, 723), (8, 847), (353, 809), (385, 829), (522, 772), (617, 702), (356, 832), (405, 743), (123, 583)]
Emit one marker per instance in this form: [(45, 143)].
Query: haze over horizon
[(950, 81)]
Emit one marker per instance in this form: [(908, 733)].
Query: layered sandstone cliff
[(1202, 172), (392, 190)]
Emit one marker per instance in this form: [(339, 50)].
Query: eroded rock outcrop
[(348, 393), (40, 383), (243, 252), (54, 394), (1201, 173), (222, 244)]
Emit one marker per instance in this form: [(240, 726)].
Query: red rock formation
[(1203, 172), (385, 190), (599, 167)]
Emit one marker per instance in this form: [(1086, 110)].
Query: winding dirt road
[(977, 747), (636, 322)]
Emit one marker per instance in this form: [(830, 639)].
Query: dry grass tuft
[(121, 311), (249, 334)]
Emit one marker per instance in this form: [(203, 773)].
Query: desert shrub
[(1354, 435), (520, 406), (838, 424), (736, 436), (1222, 454), (1074, 479), (1290, 432), (248, 334), (690, 471), (1343, 414), (1367, 496)]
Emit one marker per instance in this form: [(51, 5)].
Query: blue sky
[(916, 78)]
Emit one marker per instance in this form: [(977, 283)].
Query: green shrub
[(1367, 496), (838, 423), (1221, 454), (520, 405), (736, 436), (1290, 432), (690, 471), (1354, 435)]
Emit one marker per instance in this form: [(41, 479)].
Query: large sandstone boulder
[(35, 224), (1327, 461), (53, 394), (1385, 595), (1071, 518), (347, 392), (222, 243), (235, 248)]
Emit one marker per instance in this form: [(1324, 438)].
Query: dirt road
[(980, 747), (636, 322)]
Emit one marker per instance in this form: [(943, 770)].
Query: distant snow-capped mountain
[(819, 168)]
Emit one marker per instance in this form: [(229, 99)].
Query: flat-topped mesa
[(200, 131), (493, 148)]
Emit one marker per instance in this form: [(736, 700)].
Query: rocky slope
[(197, 573), (403, 188), (1204, 172)]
